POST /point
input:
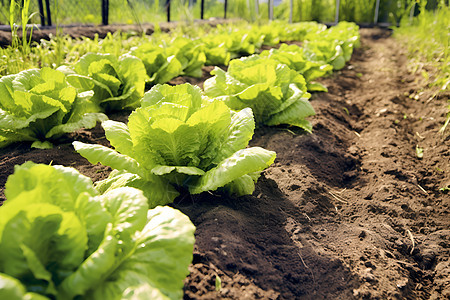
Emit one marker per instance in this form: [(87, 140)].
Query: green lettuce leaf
[(73, 193), (12, 289), (106, 156), (165, 243), (242, 162), (158, 190)]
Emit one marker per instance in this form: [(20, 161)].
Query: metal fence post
[(202, 9), (336, 18), (41, 12), (225, 9), (105, 12), (291, 8), (168, 10), (377, 9), (49, 16), (411, 12), (270, 3)]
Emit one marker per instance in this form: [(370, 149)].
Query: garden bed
[(77, 31), (348, 211)]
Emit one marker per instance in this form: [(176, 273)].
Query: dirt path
[(348, 212)]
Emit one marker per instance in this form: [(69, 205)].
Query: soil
[(347, 212), (78, 31)]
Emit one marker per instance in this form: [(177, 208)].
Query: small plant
[(16, 57), (445, 189)]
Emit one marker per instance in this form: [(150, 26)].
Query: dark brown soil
[(348, 212), (78, 31)]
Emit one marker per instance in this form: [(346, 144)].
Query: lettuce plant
[(275, 93), (220, 47), (179, 139), (334, 46), (299, 31), (175, 57), (160, 65), (38, 106), (294, 58), (215, 51), (240, 43), (190, 54), (59, 239), (322, 50), (117, 83), (348, 35)]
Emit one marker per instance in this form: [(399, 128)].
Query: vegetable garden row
[(63, 237)]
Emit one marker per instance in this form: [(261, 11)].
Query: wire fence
[(64, 12)]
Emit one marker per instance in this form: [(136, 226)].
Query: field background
[(65, 12)]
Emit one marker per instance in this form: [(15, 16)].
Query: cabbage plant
[(117, 83), (180, 140), (275, 93), (39, 106), (59, 239)]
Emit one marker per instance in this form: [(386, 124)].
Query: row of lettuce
[(39, 105), (61, 237)]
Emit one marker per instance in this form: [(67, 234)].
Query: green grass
[(427, 38), (16, 57)]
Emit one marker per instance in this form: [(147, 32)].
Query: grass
[(16, 57), (427, 39)]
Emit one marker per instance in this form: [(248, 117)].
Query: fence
[(50, 12)]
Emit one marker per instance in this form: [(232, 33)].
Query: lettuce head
[(179, 139), (39, 106), (117, 83), (59, 239), (275, 93)]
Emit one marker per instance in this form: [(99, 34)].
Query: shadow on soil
[(260, 238)]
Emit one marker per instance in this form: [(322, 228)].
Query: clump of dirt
[(347, 212)]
